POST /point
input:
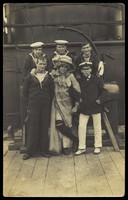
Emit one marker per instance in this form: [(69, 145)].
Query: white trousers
[(82, 129)]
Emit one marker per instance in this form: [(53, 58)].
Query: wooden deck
[(86, 175)]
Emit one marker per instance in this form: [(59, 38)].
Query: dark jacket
[(94, 59), (36, 94), (91, 91)]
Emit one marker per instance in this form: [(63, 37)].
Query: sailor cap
[(61, 42), (36, 44), (85, 64)]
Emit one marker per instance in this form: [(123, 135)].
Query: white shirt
[(88, 78), (41, 76)]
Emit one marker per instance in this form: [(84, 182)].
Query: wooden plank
[(91, 180), (27, 187), (31, 174), (104, 156), (40, 168), (7, 159), (110, 132), (116, 184), (90, 157), (112, 173), (5, 146), (119, 162), (122, 151), (107, 164), (27, 168), (60, 180), (10, 175), (94, 186), (87, 175)]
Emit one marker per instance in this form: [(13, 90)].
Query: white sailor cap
[(63, 42), (36, 44), (85, 64)]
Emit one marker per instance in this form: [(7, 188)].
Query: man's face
[(61, 49), (37, 52), (41, 65), (86, 49), (86, 71)]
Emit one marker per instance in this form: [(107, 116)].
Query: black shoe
[(52, 153), (26, 156), (66, 151), (75, 147), (46, 155)]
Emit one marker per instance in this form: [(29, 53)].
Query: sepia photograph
[(63, 99)]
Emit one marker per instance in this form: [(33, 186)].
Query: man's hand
[(67, 74), (98, 75), (98, 101), (54, 73), (75, 108)]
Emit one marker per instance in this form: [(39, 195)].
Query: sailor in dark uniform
[(62, 50), (93, 95), (32, 59), (88, 55), (38, 91)]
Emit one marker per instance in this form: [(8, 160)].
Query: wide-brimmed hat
[(63, 58), (85, 64), (37, 44)]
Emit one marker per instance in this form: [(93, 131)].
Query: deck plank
[(32, 174), (91, 180), (7, 159), (122, 151), (40, 168), (60, 180), (119, 162), (5, 146), (87, 175), (23, 178), (11, 173), (27, 187), (111, 171), (116, 184)]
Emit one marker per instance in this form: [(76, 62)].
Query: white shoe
[(97, 150), (79, 152)]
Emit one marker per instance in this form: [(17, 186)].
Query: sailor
[(93, 96), (88, 55), (33, 57), (62, 50), (38, 92)]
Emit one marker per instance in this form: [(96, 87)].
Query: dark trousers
[(66, 130), (38, 125)]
